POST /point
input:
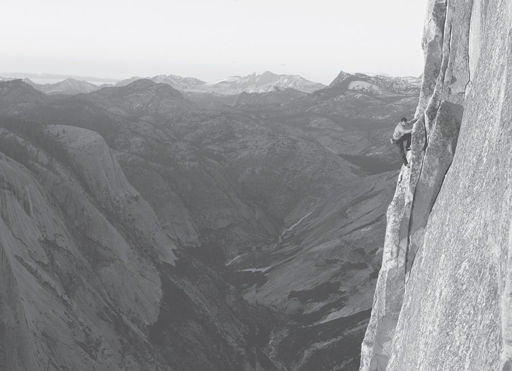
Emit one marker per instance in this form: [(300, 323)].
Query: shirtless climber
[(402, 137)]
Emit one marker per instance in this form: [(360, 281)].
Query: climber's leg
[(400, 144), (407, 141)]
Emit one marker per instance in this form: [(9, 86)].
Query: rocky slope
[(220, 233), (443, 299), (89, 278)]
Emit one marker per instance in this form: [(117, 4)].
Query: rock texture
[(443, 299), (69, 276), (89, 278)]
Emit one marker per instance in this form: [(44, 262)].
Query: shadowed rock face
[(443, 299), (89, 277), (69, 275)]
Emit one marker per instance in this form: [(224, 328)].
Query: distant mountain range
[(264, 83), (254, 84), (51, 78), (68, 86)]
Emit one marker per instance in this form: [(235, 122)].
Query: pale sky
[(212, 39)]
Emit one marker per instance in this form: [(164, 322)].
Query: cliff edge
[(443, 293)]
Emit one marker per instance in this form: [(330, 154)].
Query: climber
[(402, 137)]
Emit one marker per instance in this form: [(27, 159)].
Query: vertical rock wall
[(443, 297)]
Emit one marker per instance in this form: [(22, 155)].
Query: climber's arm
[(412, 122), (407, 128)]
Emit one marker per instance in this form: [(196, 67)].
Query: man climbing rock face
[(402, 137)]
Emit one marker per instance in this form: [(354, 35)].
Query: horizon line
[(58, 77)]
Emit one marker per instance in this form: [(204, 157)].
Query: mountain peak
[(68, 86), (146, 87), (342, 76), (379, 85), (141, 96), (262, 83), (268, 73), (265, 82), (143, 83), (19, 85), (177, 82), (16, 94)]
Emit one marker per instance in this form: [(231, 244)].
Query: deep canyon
[(145, 227)]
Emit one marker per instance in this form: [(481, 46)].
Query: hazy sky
[(211, 39)]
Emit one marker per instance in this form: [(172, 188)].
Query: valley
[(233, 229)]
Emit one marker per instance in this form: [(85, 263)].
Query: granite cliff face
[(89, 278), (443, 294)]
